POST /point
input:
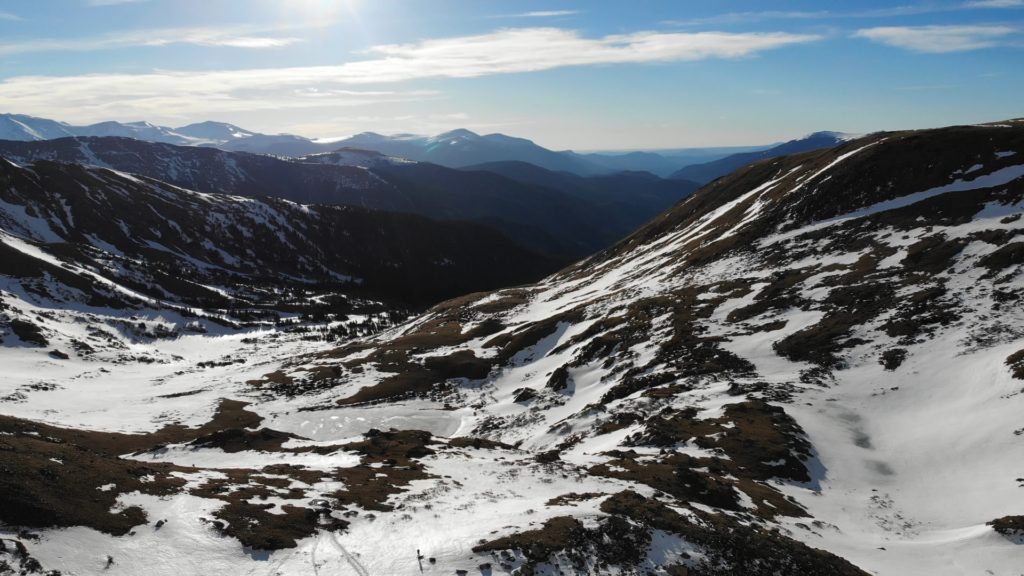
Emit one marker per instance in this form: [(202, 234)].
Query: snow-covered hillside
[(20, 127), (212, 170), (77, 235), (811, 366), (354, 157)]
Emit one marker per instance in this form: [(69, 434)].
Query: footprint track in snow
[(352, 561)]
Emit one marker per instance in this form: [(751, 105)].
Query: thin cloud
[(244, 42), (995, 4), (10, 17), (744, 17), (547, 13), (234, 37), (890, 12), (937, 39), (539, 14), (196, 93), (175, 96), (534, 49), (383, 94)]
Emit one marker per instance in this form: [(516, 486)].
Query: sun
[(320, 11)]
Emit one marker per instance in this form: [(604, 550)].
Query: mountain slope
[(210, 131), (555, 216), (208, 250), (708, 171), (276, 145), (606, 187), (632, 197), (137, 130), (353, 157), (663, 163), (461, 148), (561, 222), (810, 366), (637, 161), (866, 293), (216, 171), (22, 127)]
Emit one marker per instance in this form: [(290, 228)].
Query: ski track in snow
[(351, 560)]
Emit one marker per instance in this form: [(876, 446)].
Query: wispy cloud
[(239, 41), (171, 97), (538, 14), (547, 13), (232, 36), (533, 49), (199, 93), (995, 4), (937, 39), (744, 17), (382, 94), (10, 17), (889, 12), (504, 51)]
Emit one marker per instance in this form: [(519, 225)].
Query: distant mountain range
[(663, 162), (708, 171), (454, 149), (460, 148), (558, 214), (30, 128)]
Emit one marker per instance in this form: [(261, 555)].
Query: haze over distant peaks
[(456, 148), (214, 131)]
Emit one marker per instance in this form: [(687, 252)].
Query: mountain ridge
[(543, 219), (708, 171), (88, 214), (454, 149)]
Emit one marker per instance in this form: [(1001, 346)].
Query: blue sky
[(571, 74)]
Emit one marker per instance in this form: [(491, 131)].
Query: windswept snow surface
[(998, 178)]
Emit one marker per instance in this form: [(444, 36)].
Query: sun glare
[(318, 11)]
